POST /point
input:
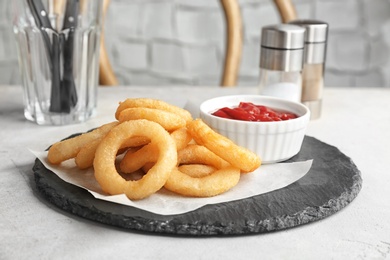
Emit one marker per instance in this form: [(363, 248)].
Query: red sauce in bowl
[(247, 111)]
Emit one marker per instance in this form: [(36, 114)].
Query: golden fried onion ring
[(84, 158), (181, 137), (168, 120), (191, 185), (133, 161), (197, 170), (237, 156), (153, 103), (104, 162), (69, 148), (210, 185), (197, 154)]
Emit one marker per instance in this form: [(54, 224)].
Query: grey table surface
[(356, 121)]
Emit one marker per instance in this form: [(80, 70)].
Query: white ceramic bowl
[(272, 141)]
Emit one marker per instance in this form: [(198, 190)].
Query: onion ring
[(84, 158), (237, 156), (191, 185), (69, 148), (168, 120), (104, 162), (133, 161), (197, 154), (181, 137), (153, 103), (214, 184), (197, 170)]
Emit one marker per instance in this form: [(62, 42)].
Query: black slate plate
[(330, 185)]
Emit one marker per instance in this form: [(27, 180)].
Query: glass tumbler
[(58, 50)]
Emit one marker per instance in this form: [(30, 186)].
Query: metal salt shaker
[(281, 61), (314, 64)]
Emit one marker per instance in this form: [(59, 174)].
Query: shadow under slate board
[(330, 185)]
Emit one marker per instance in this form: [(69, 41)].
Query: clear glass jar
[(58, 47)]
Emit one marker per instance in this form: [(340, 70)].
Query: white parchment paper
[(265, 179)]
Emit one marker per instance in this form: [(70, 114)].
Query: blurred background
[(182, 42)]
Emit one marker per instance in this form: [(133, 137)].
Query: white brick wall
[(181, 42)]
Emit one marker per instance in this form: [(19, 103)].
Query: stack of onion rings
[(165, 144)]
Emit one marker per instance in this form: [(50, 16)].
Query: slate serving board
[(330, 185)]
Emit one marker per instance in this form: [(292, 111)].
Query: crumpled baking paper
[(267, 178)]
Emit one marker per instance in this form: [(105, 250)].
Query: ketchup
[(247, 111)]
